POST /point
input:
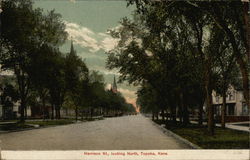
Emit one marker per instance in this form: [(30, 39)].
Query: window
[(245, 110), (231, 109), (231, 95), (218, 110), (217, 99)]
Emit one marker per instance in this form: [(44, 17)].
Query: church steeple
[(114, 86), (72, 50)]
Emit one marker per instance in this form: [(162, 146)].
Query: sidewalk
[(228, 125), (237, 127), (231, 126)]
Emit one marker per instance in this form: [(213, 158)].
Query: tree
[(76, 72), (42, 64), (97, 91), (159, 53), (147, 100), (24, 31), (226, 68), (57, 82), (203, 18), (232, 18)]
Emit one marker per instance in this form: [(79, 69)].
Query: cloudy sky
[(87, 22)]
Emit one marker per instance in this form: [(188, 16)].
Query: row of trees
[(179, 52), (30, 41)]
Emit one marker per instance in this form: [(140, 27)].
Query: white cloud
[(73, 25), (82, 36), (107, 72), (102, 34), (73, 1), (109, 43), (86, 38)]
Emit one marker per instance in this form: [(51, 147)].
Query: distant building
[(235, 103), (10, 111), (114, 86)]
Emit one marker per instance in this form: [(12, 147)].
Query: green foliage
[(181, 51), (30, 41), (147, 99), (157, 52), (224, 138), (27, 31)]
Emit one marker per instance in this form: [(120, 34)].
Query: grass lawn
[(8, 120), (13, 126), (223, 138)]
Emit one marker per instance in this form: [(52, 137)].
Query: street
[(120, 133)]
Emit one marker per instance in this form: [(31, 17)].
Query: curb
[(177, 137), (42, 127), (19, 130), (33, 128)]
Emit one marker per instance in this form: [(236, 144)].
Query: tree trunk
[(245, 80), (247, 27), (182, 114), (57, 108), (58, 112), (185, 115), (3, 112), (43, 101), (22, 91), (52, 111), (185, 110), (173, 113), (153, 116), (209, 106), (240, 60), (223, 109), (156, 114), (25, 112), (91, 113), (162, 114), (201, 112), (22, 106), (76, 113), (82, 115)]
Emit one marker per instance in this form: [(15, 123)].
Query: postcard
[(124, 79)]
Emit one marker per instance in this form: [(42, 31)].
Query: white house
[(235, 103)]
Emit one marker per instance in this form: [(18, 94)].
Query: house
[(9, 109), (236, 108)]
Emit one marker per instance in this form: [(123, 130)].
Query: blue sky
[(87, 22)]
